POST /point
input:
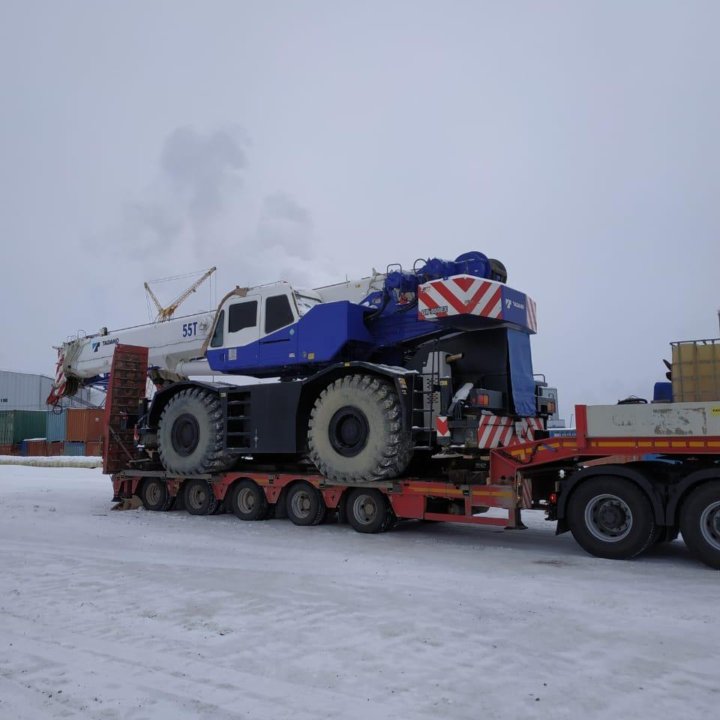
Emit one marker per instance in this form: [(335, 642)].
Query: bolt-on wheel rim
[(301, 504), (608, 518), (197, 496), (364, 509), (348, 431), (185, 434), (246, 501), (153, 493), (710, 525)]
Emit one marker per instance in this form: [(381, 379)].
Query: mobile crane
[(432, 362)]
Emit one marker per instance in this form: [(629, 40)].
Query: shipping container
[(696, 371), (17, 425), (55, 448), (84, 425), (94, 448), (34, 448), (56, 427), (73, 448), (8, 449)]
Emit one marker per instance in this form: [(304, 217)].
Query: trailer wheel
[(199, 497), (368, 511), (191, 433), (247, 501), (700, 523), (355, 431), (154, 495), (305, 504), (611, 518)]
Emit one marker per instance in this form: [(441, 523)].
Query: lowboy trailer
[(632, 476)]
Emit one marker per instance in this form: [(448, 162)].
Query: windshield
[(305, 302)]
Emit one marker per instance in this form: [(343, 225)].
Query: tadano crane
[(432, 362)]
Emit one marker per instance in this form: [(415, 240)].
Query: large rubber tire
[(191, 434), (247, 501), (355, 431), (199, 497), (305, 504), (368, 510), (611, 518), (700, 523), (154, 495)]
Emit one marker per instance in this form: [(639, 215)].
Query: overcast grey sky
[(309, 141)]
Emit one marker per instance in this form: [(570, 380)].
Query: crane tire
[(191, 431), (611, 517), (700, 523), (355, 431)]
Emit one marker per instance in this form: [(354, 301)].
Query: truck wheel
[(199, 497), (305, 504), (247, 501), (368, 511), (700, 523), (355, 431), (191, 433), (611, 518), (154, 495)]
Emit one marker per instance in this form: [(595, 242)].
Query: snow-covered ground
[(163, 615)]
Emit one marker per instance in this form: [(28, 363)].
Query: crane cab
[(266, 330)]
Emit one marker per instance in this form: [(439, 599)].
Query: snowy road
[(163, 615)]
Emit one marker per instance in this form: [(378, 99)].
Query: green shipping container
[(18, 425)]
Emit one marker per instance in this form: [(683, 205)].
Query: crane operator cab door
[(237, 332), (256, 332)]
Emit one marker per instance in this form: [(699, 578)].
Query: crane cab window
[(242, 315), (218, 335), (278, 313)]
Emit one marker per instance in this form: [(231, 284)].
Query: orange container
[(84, 425), (55, 448), (37, 448), (94, 448)]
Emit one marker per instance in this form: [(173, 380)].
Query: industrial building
[(26, 391)]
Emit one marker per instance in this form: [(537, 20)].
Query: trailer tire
[(190, 435), (154, 495), (368, 510), (611, 518), (247, 501), (304, 504), (199, 497), (355, 431), (700, 523)]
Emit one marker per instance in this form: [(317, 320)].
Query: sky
[(314, 141)]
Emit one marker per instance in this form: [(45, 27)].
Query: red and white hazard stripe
[(460, 295), (494, 431), (526, 428), (58, 389), (531, 314), (442, 427)]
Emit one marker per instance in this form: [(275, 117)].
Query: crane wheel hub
[(348, 431), (185, 434)]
